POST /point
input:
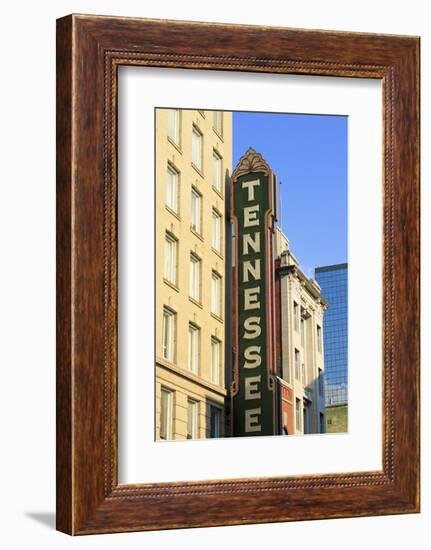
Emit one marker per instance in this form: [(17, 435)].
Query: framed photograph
[(237, 274)]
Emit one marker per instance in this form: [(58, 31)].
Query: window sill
[(218, 191), (198, 170), (171, 285), (198, 235), (176, 145), (218, 134), (195, 302), (219, 254), (175, 214), (215, 316)]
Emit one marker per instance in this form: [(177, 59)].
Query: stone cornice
[(306, 283)]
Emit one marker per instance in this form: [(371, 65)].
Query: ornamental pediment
[(251, 161)]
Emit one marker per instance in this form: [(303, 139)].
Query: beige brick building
[(193, 160)]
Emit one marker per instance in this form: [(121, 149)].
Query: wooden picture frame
[(89, 51)]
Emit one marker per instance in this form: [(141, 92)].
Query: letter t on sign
[(250, 185)]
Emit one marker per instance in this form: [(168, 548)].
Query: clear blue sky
[(309, 155)]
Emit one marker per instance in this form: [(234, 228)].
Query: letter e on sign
[(251, 299), (250, 215), (251, 387), (252, 423)]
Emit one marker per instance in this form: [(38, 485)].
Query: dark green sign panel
[(253, 401)]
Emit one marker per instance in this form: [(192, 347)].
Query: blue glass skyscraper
[(333, 282)]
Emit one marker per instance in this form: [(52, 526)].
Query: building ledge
[(312, 287), (188, 375)]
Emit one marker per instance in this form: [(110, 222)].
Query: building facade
[(193, 160), (333, 281), (300, 307)]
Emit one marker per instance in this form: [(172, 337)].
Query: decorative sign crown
[(251, 161)]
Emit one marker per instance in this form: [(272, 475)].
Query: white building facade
[(300, 363)]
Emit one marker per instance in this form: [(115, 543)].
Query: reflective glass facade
[(333, 282)]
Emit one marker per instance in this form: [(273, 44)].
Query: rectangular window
[(196, 211), (170, 270), (297, 365), (322, 423), (166, 402), (298, 415), (168, 334), (193, 348), (216, 294), (216, 237), (197, 148), (195, 278), (174, 125), (319, 338), (304, 381), (234, 243), (302, 332), (305, 420), (215, 422), (172, 189), (296, 316), (215, 361), (218, 122), (192, 419), (217, 171), (321, 389)]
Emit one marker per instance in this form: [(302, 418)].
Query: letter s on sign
[(252, 328), (252, 354)]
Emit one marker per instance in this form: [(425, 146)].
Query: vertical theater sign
[(253, 392)]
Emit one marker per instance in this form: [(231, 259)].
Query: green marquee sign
[(253, 212)]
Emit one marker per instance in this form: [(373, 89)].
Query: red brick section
[(287, 410)]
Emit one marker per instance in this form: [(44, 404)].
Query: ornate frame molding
[(90, 49)]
